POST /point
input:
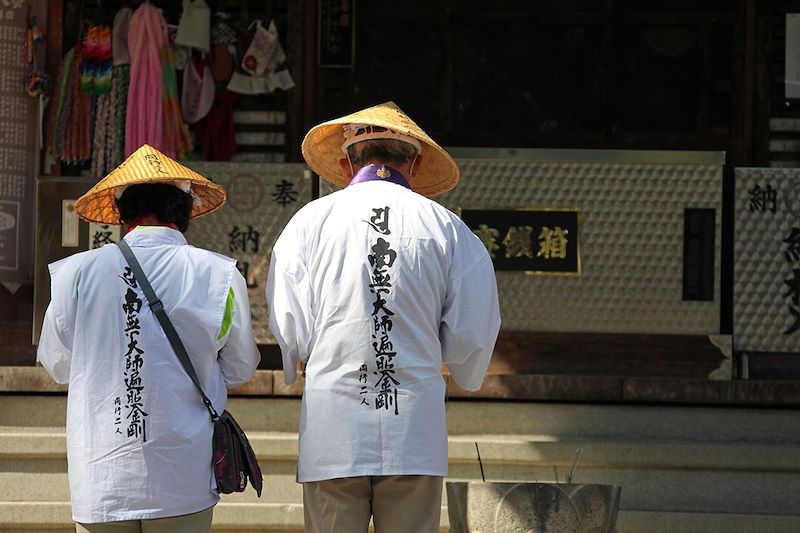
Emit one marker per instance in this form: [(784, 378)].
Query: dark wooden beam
[(748, 21), (296, 53), (605, 354), (54, 52), (310, 90)]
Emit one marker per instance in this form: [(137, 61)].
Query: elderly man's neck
[(148, 219)]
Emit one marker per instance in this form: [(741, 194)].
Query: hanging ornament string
[(37, 82)]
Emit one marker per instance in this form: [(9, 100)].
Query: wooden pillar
[(761, 83), (54, 53), (301, 30)]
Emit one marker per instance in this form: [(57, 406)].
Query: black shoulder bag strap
[(158, 309)]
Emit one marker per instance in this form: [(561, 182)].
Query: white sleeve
[(57, 336), (55, 351), (239, 357), (289, 300), (470, 318)]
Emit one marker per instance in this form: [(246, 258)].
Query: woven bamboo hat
[(147, 165), (322, 148)]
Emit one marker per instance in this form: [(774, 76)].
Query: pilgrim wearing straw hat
[(432, 172), (371, 289), (147, 166), (138, 436)]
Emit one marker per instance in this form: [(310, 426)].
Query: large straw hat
[(147, 165), (322, 149)]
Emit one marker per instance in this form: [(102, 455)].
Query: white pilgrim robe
[(374, 346), (124, 464)]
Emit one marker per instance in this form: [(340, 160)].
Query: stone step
[(55, 517), (652, 491), (541, 420), (655, 476), (671, 522), (497, 452), (625, 422)]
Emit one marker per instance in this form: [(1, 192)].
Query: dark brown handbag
[(233, 458)]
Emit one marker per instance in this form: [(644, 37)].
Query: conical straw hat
[(147, 165), (322, 149)]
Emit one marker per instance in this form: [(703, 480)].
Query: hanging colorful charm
[(96, 69), (37, 83)]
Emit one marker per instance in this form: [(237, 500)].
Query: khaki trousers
[(397, 504), (188, 523)]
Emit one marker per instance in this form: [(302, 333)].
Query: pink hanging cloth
[(147, 35)]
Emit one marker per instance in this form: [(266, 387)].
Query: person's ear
[(347, 170)]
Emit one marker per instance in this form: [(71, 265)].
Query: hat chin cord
[(413, 162)]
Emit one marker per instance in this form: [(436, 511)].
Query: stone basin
[(479, 507)]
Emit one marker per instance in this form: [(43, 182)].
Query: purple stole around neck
[(379, 173)]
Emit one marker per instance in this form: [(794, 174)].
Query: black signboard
[(19, 143), (336, 33), (541, 241)]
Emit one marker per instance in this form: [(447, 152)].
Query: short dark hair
[(391, 151), (166, 202)]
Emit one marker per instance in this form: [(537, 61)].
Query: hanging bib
[(195, 25), (198, 91)]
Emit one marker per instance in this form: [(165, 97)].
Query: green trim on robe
[(227, 318)]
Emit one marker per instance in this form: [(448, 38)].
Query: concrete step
[(655, 476), (54, 517), (542, 420), (653, 490), (671, 522), (31, 480), (496, 452)]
